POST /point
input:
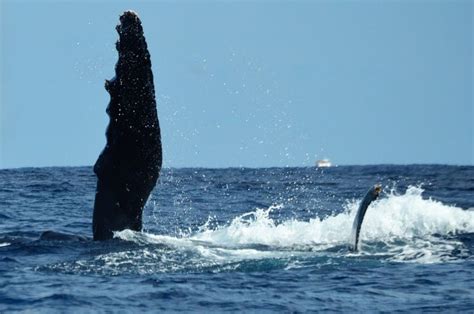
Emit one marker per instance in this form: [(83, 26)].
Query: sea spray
[(409, 226)]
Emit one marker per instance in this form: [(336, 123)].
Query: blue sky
[(254, 83)]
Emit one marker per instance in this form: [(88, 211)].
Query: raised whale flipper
[(129, 166), (371, 196)]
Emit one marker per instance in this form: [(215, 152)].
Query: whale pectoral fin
[(128, 167), (371, 196)]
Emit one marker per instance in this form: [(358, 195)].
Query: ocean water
[(273, 239)]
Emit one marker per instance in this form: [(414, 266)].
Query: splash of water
[(398, 228), (407, 227)]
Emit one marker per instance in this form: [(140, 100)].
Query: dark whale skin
[(371, 196), (129, 166)]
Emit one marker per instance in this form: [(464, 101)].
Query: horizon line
[(260, 167)]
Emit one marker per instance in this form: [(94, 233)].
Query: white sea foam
[(4, 244), (405, 227)]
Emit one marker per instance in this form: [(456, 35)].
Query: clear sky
[(254, 83)]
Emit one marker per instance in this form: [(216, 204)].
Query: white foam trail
[(409, 215), (408, 226), (4, 244), (258, 228), (203, 248), (396, 216)]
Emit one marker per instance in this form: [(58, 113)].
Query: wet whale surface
[(129, 165)]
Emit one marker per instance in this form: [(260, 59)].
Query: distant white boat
[(323, 163)]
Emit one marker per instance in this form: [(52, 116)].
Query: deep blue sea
[(251, 240)]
